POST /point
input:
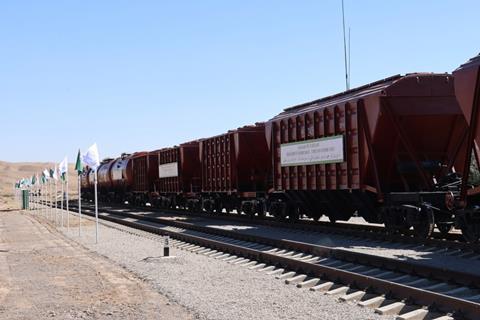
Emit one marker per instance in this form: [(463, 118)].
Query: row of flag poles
[(40, 188)]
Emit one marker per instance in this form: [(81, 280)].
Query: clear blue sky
[(140, 75)]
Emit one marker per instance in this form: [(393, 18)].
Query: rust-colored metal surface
[(84, 183), (178, 169), (153, 170), (394, 135), (139, 168), (91, 179), (103, 174), (121, 173), (237, 161), (467, 90)]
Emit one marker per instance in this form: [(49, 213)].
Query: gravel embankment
[(210, 288)]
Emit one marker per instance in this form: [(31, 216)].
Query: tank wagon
[(104, 178), (385, 150)]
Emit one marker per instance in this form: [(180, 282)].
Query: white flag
[(55, 177), (91, 158), (63, 166), (46, 174)]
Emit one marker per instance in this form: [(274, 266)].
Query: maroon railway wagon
[(235, 170), (387, 150), (84, 183), (104, 178), (176, 176), (467, 90), (130, 180), (138, 167)]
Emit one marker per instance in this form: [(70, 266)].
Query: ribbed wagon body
[(467, 90), (377, 146), (176, 175), (235, 170)]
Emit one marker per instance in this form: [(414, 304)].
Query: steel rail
[(454, 241)]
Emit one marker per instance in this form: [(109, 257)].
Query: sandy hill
[(10, 172)]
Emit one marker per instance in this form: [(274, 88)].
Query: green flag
[(34, 180), (78, 164)]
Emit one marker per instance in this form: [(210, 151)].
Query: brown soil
[(45, 275)]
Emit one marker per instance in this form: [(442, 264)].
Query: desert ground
[(45, 275)]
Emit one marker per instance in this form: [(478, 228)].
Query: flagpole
[(96, 207), (68, 212), (45, 198), (52, 215), (61, 204), (49, 200), (55, 199), (79, 206)]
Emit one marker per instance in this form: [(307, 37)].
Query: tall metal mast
[(347, 82)]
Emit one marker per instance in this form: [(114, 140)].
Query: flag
[(34, 180), (46, 174), (63, 168), (53, 173), (55, 176), (78, 164), (43, 178), (91, 158)]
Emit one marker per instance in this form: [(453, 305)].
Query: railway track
[(453, 243), (388, 285)]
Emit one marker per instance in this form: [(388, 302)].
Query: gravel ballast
[(210, 288)]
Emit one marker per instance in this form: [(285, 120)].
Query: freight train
[(397, 151)]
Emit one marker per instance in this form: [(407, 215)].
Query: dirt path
[(43, 275)]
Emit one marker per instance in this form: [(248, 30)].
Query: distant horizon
[(143, 76)]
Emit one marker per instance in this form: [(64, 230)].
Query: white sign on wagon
[(168, 170), (323, 150)]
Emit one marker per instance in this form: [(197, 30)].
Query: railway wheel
[(293, 213), (395, 220), (470, 226), (423, 221), (444, 228), (261, 209), (281, 211), (218, 207), (471, 232)]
